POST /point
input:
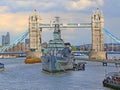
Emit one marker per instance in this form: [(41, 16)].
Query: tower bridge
[(36, 26), (96, 25)]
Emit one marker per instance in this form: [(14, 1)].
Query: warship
[(57, 55)]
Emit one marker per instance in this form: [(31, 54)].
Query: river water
[(20, 76)]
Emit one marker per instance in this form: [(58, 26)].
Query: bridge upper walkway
[(68, 25)]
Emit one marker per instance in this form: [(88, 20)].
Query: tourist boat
[(112, 80), (1, 66)]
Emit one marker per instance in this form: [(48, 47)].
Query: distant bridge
[(79, 53), (104, 62), (76, 53), (10, 53), (113, 52)]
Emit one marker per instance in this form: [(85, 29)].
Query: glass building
[(6, 39)]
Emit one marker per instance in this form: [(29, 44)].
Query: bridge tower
[(35, 37), (97, 21), (34, 31)]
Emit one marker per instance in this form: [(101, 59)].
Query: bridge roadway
[(9, 53), (81, 52), (87, 52), (114, 61)]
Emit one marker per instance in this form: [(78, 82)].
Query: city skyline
[(6, 39), (14, 17)]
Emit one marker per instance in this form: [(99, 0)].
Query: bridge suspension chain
[(111, 36)]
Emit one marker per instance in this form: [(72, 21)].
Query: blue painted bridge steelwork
[(113, 52), (10, 53), (84, 53), (77, 53)]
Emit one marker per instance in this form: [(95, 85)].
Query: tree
[(73, 48)]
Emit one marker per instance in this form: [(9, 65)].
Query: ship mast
[(57, 31)]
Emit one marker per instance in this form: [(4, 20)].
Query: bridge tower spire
[(97, 21)]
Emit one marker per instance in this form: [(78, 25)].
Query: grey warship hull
[(56, 64)]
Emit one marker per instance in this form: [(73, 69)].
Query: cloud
[(3, 9), (16, 23), (82, 4), (52, 5), (34, 4), (100, 2), (27, 5)]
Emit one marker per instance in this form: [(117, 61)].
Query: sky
[(14, 16)]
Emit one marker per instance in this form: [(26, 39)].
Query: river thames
[(20, 76)]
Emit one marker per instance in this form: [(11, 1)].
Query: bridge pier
[(98, 55), (33, 57)]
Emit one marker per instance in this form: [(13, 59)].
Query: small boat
[(32, 60), (79, 66), (1, 66), (112, 80)]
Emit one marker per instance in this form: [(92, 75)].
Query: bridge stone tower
[(97, 36), (34, 31), (34, 36)]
